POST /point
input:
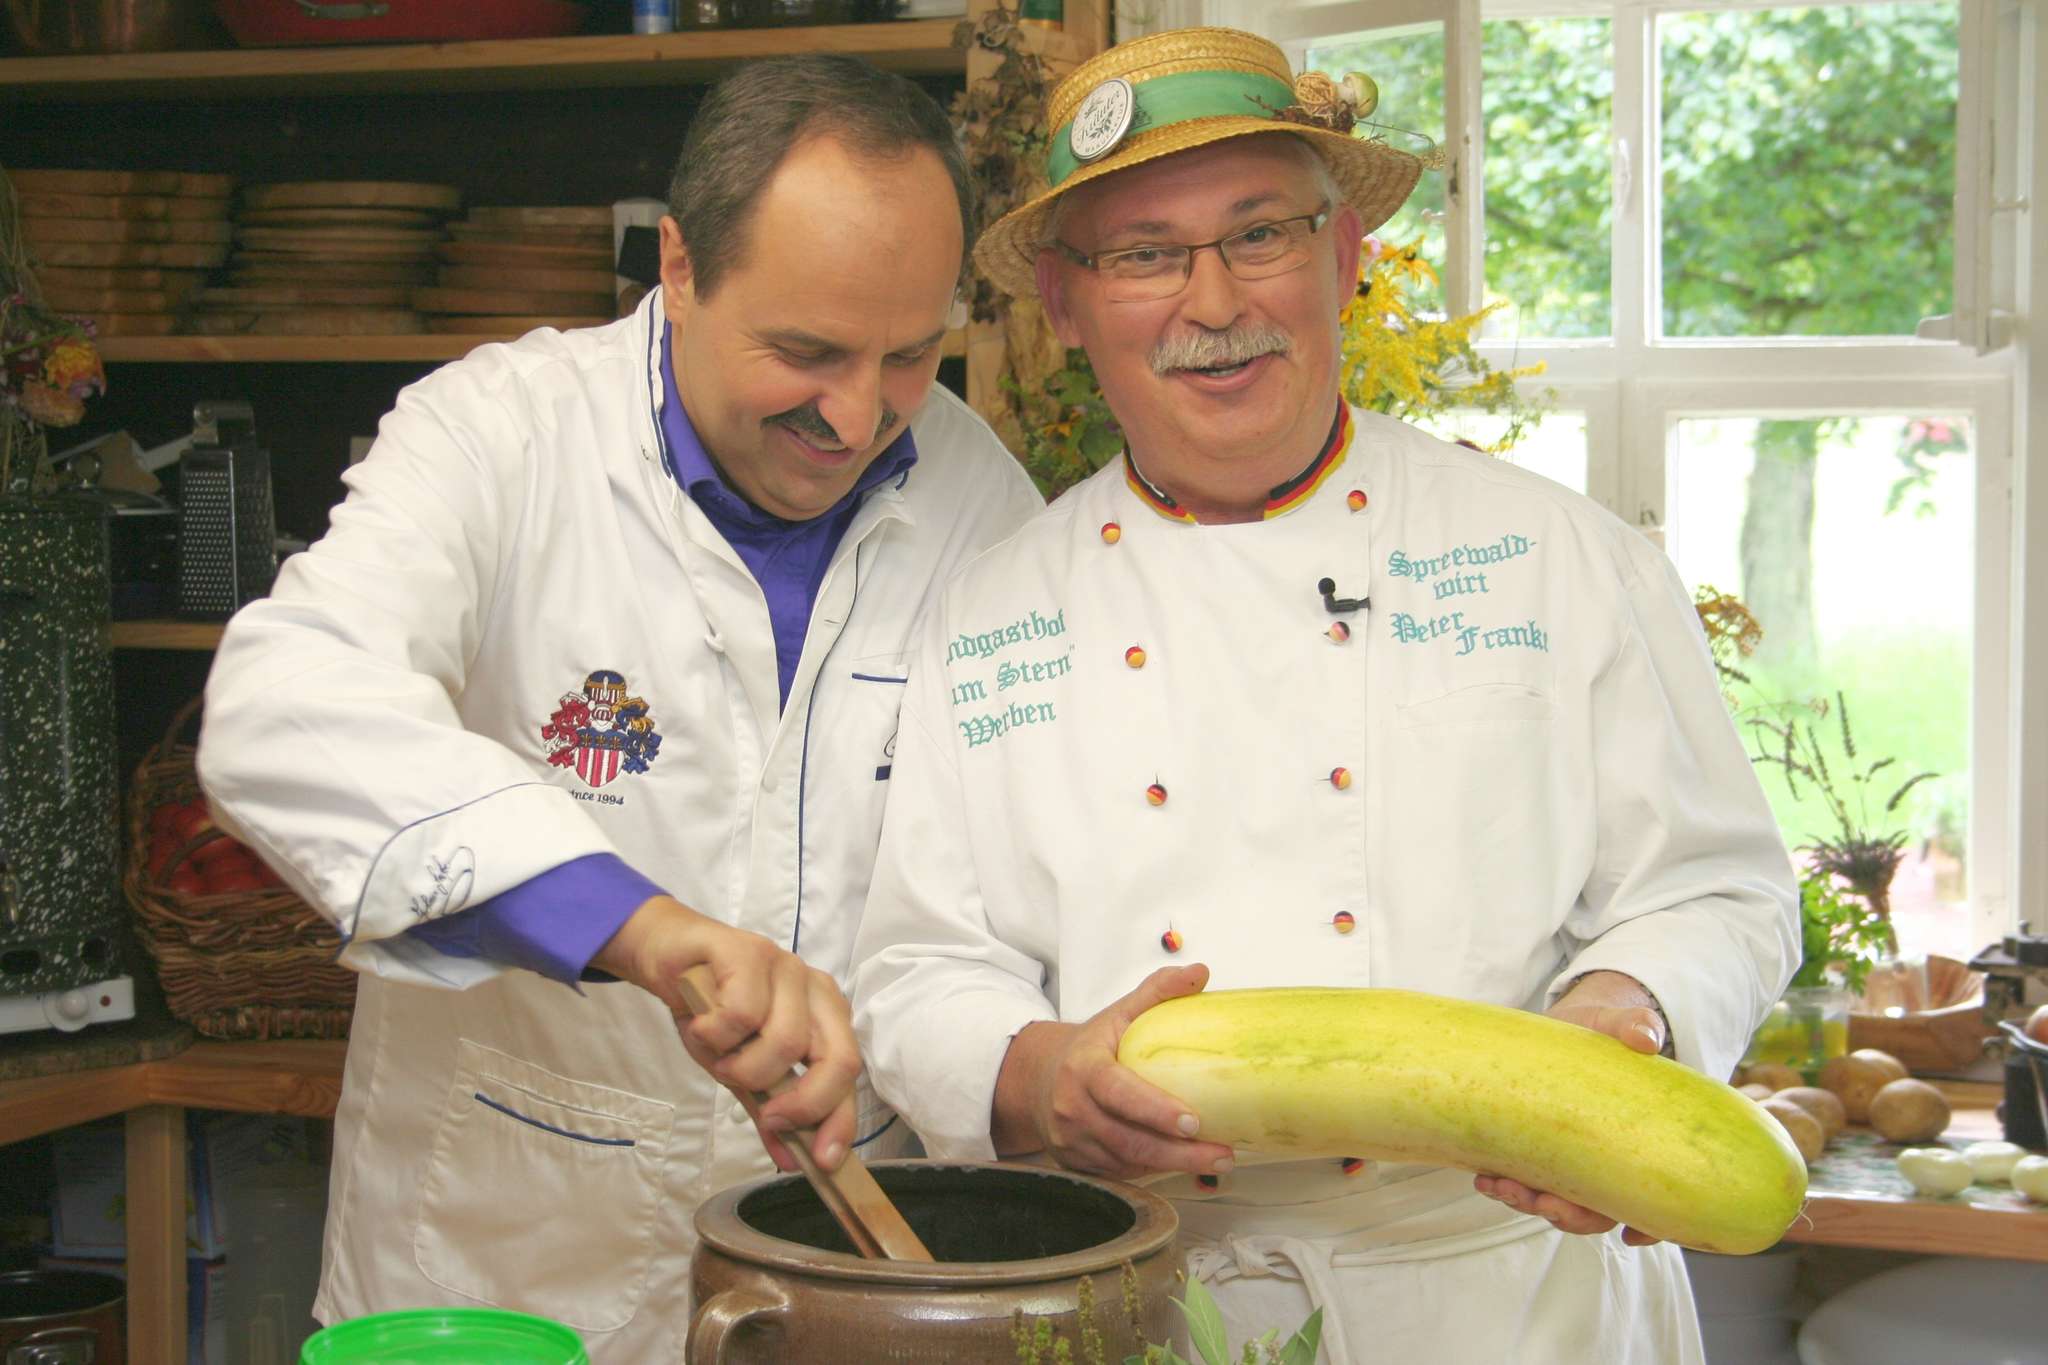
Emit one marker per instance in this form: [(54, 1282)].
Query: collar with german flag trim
[(1284, 497)]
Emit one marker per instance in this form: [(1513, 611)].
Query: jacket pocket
[(1483, 706), (542, 1193)]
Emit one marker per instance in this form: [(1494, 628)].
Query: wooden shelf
[(167, 634), (430, 348), (279, 1077), (913, 47)]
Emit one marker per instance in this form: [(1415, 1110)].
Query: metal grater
[(227, 532)]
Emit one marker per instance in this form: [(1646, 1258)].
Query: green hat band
[(1166, 100)]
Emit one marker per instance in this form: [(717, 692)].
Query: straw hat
[(1183, 88)]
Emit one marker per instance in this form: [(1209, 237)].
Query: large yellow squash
[(1399, 1076)]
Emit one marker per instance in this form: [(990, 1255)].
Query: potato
[(2030, 1177), (1803, 1128), (1908, 1111), (1935, 1170), (1755, 1091), (1776, 1075), (1893, 1068), (1856, 1077), (1824, 1105), (2037, 1025), (1992, 1162)]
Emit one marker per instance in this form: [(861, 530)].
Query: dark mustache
[(808, 422)]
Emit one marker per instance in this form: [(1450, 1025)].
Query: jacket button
[(1135, 656), (1355, 499), (1340, 778), (1156, 794), (1338, 631), (1342, 922), (1170, 940), (1111, 533)]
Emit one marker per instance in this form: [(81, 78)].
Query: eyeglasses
[(1141, 274)]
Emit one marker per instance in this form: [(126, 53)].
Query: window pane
[(1851, 540), (1554, 448), (1808, 170), (1408, 67), (1548, 88)]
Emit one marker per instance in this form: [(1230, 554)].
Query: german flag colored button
[(1135, 656)]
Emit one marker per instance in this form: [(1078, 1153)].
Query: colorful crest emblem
[(601, 731)]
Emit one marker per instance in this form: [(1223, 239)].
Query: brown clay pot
[(62, 1317), (775, 1280)]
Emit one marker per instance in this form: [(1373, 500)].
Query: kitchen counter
[(1856, 1198)]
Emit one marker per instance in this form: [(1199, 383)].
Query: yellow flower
[(73, 366)]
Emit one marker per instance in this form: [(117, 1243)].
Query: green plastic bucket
[(445, 1336)]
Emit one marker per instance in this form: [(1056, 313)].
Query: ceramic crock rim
[(118, 1285), (1154, 1231)]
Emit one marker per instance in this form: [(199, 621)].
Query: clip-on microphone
[(1334, 604)]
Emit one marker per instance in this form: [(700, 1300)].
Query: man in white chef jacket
[(596, 676), (1293, 694)]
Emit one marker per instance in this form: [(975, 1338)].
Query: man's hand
[(1061, 1091), (774, 1012), (1620, 1007)]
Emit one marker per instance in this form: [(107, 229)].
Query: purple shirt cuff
[(552, 924)]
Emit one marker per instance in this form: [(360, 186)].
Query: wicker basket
[(257, 964)]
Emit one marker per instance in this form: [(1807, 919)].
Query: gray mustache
[(1213, 350), (809, 423)]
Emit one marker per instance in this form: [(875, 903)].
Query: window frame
[(1636, 384)]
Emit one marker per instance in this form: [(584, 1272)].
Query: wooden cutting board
[(537, 236), (511, 301), (337, 217), (261, 297), (308, 322), (36, 231), (134, 324), (318, 238), (516, 257), (152, 208), (385, 194), (177, 282), (123, 182), (177, 255), (508, 325), (528, 277), (113, 300), (338, 251), (295, 270), (591, 218)]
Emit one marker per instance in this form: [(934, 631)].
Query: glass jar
[(1808, 1026)]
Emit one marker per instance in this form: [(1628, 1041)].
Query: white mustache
[(1217, 350)]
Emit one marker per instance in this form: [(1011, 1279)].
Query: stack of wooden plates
[(513, 269), (329, 258), (124, 248)]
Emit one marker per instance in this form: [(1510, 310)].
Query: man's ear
[(1052, 294), (1350, 250), (678, 280)]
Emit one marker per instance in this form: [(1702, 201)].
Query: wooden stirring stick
[(870, 1220)]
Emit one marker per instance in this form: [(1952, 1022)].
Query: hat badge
[(1102, 120)]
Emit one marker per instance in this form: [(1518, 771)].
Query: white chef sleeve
[(331, 743), (937, 996), (1691, 891)]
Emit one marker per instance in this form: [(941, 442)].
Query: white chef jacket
[(380, 727), (1131, 741)]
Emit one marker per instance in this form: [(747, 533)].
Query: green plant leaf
[(1205, 1324), (1302, 1346)]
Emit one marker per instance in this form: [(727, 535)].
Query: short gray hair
[(753, 117)]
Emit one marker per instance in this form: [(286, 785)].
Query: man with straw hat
[(1293, 694)]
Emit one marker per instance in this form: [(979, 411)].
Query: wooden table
[(261, 1078), (1857, 1198)]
